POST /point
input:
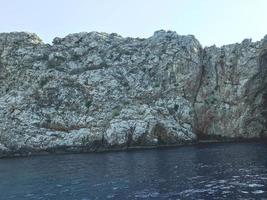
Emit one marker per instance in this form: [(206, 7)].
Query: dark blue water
[(215, 171)]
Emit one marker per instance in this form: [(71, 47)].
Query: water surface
[(210, 171)]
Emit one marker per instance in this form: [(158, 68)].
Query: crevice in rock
[(202, 56), (219, 65), (1, 69), (87, 68), (129, 136), (60, 127)]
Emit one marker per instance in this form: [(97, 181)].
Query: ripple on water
[(258, 192), (182, 173), (255, 185), (193, 191), (110, 196), (146, 194)]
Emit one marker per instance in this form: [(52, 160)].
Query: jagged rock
[(231, 102), (96, 91)]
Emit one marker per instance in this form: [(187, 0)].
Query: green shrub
[(88, 104), (115, 113), (43, 81), (157, 85)]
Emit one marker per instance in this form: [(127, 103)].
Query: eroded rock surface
[(231, 102), (96, 91)]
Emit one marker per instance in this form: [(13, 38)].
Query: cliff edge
[(98, 91)]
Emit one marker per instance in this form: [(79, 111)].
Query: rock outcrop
[(97, 91)]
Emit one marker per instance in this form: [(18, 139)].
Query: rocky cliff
[(97, 91)]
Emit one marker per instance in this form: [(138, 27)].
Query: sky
[(216, 22)]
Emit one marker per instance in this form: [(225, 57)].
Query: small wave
[(255, 185), (146, 194), (258, 192)]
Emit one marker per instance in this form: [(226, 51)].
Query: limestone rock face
[(232, 99), (97, 91)]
